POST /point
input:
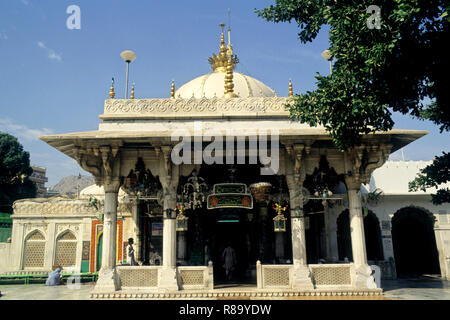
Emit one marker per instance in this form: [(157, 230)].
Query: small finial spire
[(229, 28), (219, 62), (172, 90), (132, 92), (291, 92), (111, 90)]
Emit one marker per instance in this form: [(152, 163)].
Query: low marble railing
[(273, 275), (147, 277), (322, 275), (138, 277), (195, 277), (326, 275)]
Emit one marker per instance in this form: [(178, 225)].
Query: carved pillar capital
[(295, 196), (364, 159), (352, 183), (295, 151), (112, 187)]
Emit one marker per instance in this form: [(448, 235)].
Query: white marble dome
[(212, 85), (97, 192)]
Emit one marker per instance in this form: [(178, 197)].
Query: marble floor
[(424, 288), (404, 289)]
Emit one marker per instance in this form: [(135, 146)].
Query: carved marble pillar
[(363, 277), (360, 162), (301, 274), (136, 230), (168, 279), (108, 280), (169, 181)]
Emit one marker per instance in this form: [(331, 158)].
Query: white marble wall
[(4, 256), (390, 204)]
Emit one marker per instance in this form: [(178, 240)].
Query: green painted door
[(99, 251)]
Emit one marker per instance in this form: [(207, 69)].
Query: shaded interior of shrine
[(249, 231)]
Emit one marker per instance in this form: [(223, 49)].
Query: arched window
[(34, 250), (66, 250)]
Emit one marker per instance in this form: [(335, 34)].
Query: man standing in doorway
[(229, 258)]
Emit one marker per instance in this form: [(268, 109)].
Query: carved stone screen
[(331, 275), (66, 250), (34, 251), (276, 277), (192, 277), (138, 277)]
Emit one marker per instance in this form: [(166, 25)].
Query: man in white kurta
[(130, 252), (229, 258)]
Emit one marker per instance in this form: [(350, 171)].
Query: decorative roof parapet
[(195, 108), (56, 206)]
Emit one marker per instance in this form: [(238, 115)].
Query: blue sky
[(55, 80)]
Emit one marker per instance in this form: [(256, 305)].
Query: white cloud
[(52, 55), (22, 131), (3, 35), (25, 2)]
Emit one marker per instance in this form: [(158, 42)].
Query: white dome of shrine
[(213, 84), (98, 192)]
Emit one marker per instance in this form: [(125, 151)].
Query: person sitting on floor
[(54, 277)]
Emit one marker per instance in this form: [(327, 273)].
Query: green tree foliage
[(402, 66), (433, 175), (14, 172)]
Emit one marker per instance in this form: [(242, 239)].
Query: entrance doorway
[(414, 243), (99, 250), (230, 229)]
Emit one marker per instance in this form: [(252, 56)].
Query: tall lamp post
[(129, 57), (327, 56)]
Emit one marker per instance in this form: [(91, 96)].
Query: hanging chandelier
[(182, 220), (194, 192), (140, 183), (279, 222)]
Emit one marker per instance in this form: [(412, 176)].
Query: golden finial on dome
[(291, 92), (229, 85), (111, 90), (219, 62), (172, 90), (132, 92)]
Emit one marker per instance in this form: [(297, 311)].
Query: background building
[(39, 178)]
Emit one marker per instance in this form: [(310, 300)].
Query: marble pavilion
[(136, 137)]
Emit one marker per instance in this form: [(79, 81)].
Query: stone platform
[(242, 292)]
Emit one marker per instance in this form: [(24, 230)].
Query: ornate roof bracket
[(108, 156), (295, 152), (81, 156), (166, 151), (365, 159)]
